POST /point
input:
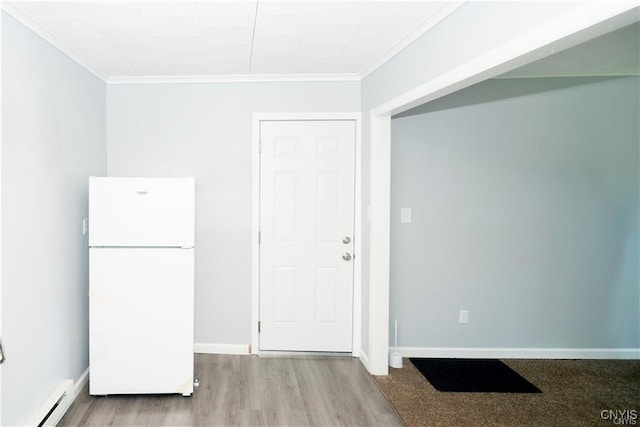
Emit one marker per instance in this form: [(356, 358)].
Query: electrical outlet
[(463, 317)]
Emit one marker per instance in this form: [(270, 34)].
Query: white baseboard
[(209, 348), (364, 358), (80, 383), (521, 353)]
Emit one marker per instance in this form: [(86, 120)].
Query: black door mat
[(473, 375)]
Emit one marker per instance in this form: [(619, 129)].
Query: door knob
[(346, 240), (346, 256)]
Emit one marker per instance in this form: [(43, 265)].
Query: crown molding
[(425, 25), (34, 25), (240, 78)]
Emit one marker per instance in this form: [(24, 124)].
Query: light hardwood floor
[(251, 391)]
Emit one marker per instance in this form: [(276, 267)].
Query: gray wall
[(472, 30), (525, 212), (53, 138), (205, 131)]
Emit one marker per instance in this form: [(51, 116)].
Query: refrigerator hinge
[(258, 326)]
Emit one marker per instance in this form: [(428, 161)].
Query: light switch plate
[(463, 317), (405, 215)]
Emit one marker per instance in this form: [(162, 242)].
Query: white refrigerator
[(141, 285)]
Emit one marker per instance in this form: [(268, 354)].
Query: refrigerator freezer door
[(141, 315), (141, 212)]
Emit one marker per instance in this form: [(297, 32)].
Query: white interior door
[(307, 189)]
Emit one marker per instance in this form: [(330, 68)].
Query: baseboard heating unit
[(56, 405)]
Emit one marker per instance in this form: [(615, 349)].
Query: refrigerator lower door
[(141, 316)]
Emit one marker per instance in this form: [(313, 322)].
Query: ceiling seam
[(253, 37)]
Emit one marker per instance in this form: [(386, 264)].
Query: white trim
[(235, 78), (255, 221), (425, 25), (80, 383), (34, 25), (357, 241), (379, 243), (255, 229), (521, 353), (364, 359), (351, 115), (211, 348), (566, 75), (581, 24)]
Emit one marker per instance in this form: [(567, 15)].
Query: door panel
[(326, 295), (327, 205), (284, 295), (307, 188), (286, 200)]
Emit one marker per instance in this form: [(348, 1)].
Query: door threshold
[(277, 353)]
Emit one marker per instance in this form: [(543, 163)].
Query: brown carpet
[(574, 393)]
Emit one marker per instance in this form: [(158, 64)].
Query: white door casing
[(307, 191)]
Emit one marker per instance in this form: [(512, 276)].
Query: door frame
[(255, 221)]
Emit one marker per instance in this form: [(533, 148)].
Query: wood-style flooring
[(251, 391)]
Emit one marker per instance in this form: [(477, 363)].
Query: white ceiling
[(126, 39)]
